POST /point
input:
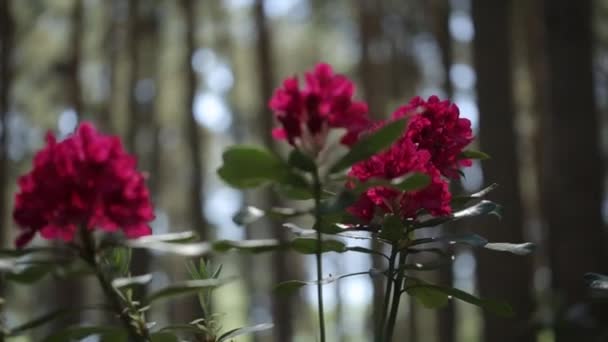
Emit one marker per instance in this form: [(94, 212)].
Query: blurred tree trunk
[(194, 140), (571, 186), (6, 39), (132, 46), (441, 15), (492, 56), (70, 293), (193, 134), (282, 309), (75, 88), (111, 45), (372, 84)]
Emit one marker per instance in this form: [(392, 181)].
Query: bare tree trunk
[(571, 188), (441, 14), (74, 64), (492, 54), (282, 309)]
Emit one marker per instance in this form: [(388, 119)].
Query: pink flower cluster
[(432, 143), (326, 101), (88, 180)]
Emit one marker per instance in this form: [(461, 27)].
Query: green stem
[(137, 330), (387, 293), (317, 195), (398, 284)]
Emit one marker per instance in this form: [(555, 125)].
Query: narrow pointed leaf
[(473, 154), (130, 282), (79, 333), (186, 288), (244, 331), (515, 248), (497, 307), (291, 286), (252, 246), (310, 246), (598, 284)]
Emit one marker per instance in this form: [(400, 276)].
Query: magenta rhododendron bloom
[(326, 101), (432, 143), (86, 180), (399, 160), (436, 126)]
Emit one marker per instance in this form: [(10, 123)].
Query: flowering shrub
[(85, 180), (392, 181)]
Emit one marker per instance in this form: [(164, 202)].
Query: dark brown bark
[(501, 275), (75, 88), (571, 186), (282, 309), (441, 14)]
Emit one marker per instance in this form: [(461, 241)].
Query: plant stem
[(387, 293), (317, 195), (398, 284), (137, 330)]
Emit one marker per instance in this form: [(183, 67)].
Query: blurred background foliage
[(180, 80)]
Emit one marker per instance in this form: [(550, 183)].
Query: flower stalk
[(136, 328), (319, 254), (397, 291)]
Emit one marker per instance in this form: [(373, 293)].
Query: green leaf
[(291, 286), (295, 187), (189, 249), (392, 228), (338, 204), (163, 337), (119, 259), (433, 295), (301, 161), (429, 297), (465, 238), (597, 284), (51, 316), (178, 237), (79, 333), (189, 328), (186, 288), (252, 246), (310, 246), (371, 144), (30, 274), (473, 154), (248, 215), (249, 167), (482, 208), (412, 182), (130, 282), (515, 248), (458, 201), (244, 331)]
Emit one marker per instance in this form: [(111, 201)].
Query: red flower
[(326, 101), (87, 180), (399, 160), (436, 126)]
